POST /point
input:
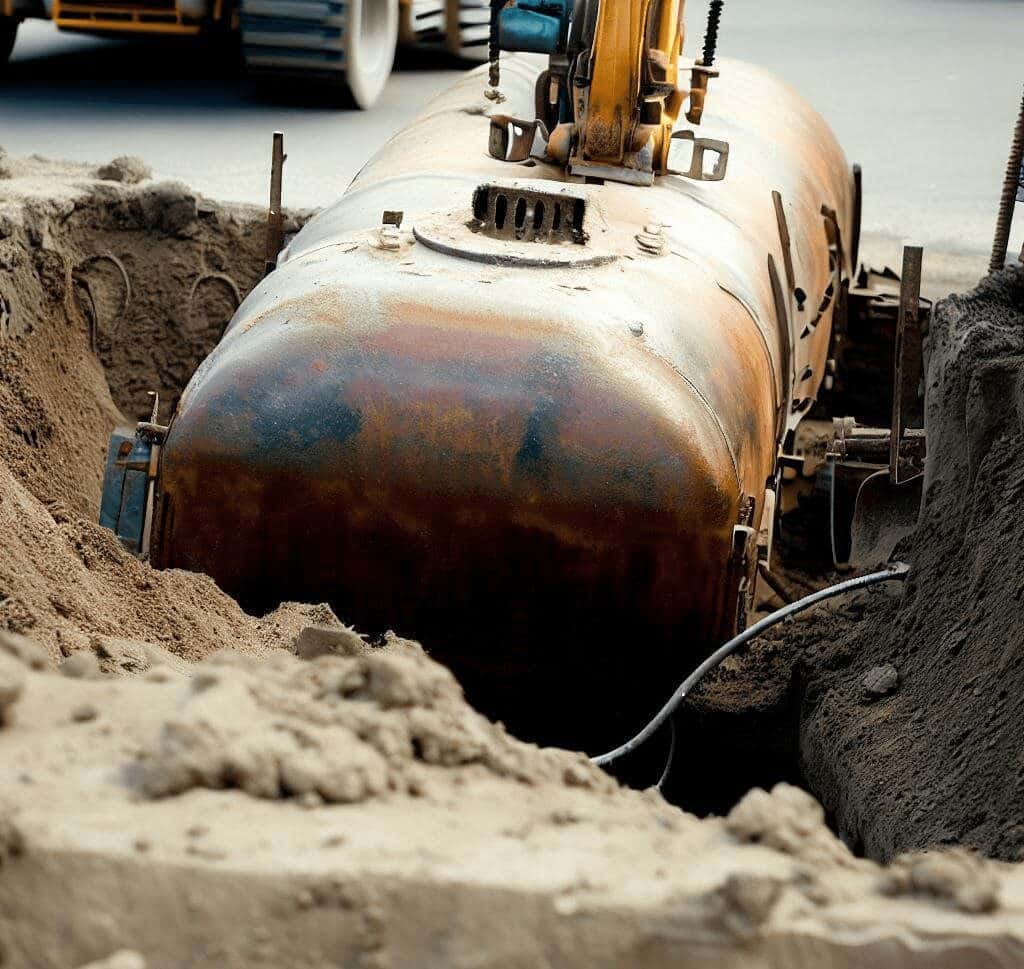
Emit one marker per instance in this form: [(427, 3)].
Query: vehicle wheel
[(422, 22), (333, 47), (463, 26), (370, 42), (469, 37), (8, 34)]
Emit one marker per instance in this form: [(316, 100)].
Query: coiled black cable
[(897, 572), (711, 37)]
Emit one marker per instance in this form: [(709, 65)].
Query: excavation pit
[(141, 785)]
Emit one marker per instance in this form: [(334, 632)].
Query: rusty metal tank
[(526, 444)]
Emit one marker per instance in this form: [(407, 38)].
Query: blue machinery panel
[(535, 26)]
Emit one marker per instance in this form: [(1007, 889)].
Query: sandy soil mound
[(96, 284), (931, 753), (499, 854), (338, 729), (901, 708)]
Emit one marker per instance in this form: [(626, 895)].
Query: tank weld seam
[(349, 245), (707, 406), (710, 270), (356, 189), (772, 369)]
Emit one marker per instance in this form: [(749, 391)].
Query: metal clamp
[(700, 147)]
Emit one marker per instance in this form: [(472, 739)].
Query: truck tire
[(467, 36), (470, 37), (424, 22), (8, 34), (342, 46)]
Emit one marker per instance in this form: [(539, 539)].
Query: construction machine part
[(887, 464), (423, 22), (343, 46), (611, 94), (886, 512), (480, 417), (126, 507), (126, 487), (163, 17), (468, 28), (862, 353), (859, 520), (343, 49)]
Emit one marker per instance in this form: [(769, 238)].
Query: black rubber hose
[(897, 572), (671, 758)]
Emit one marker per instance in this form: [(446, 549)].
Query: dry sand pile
[(64, 233), (352, 810), (341, 805)]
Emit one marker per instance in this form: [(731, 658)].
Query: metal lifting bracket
[(700, 147), (515, 140)]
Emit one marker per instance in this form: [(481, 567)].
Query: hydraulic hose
[(897, 572)]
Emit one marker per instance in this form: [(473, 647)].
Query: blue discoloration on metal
[(534, 454), (126, 487), (301, 415), (535, 26)]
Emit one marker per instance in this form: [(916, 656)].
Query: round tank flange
[(448, 235)]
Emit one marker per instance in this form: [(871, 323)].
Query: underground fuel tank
[(522, 420)]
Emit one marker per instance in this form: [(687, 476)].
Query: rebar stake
[(1011, 184), (275, 217)]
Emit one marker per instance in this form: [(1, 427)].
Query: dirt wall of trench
[(109, 287)]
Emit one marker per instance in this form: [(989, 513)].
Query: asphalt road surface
[(923, 93)]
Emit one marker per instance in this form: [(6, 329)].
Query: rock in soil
[(881, 680)]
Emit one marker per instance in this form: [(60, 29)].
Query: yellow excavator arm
[(634, 98), (612, 93)]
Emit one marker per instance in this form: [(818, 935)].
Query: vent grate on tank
[(525, 215)]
